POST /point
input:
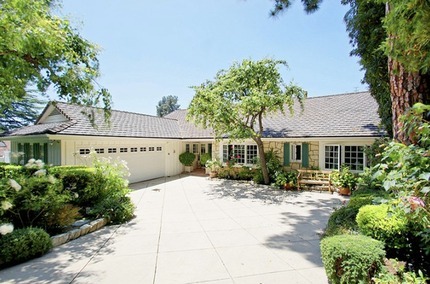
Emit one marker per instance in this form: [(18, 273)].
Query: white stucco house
[(332, 130)]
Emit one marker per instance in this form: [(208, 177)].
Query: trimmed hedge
[(342, 221), (352, 258), (377, 221), (24, 244), (187, 158)]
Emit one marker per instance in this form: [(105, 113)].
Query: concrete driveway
[(189, 229)]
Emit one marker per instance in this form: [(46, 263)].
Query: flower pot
[(288, 186), (207, 170), (344, 191), (188, 169), (213, 174)]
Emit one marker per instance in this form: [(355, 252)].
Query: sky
[(151, 49)]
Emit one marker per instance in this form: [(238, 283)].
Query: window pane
[(331, 157), (251, 154), (354, 157)]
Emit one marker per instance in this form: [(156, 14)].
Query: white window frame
[(224, 152), (339, 156), (293, 152)]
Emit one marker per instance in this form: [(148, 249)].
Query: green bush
[(342, 221), (258, 177), (24, 244), (245, 173), (79, 181), (117, 210), (204, 158), (187, 158), (378, 222), (10, 171), (37, 199), (352, 258)]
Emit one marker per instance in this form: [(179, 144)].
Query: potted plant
[(213, 165), (344, 180), (187, 159), (286, 180), (203, 159)]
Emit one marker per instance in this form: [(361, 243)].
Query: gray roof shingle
[(345, 115)]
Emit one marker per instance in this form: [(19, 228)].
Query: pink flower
[(416, 202)]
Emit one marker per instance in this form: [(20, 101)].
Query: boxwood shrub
[(23, 244), (343, 220), (378, 222), (352, 258)]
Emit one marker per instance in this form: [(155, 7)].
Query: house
[(330, 131), (4, 151)]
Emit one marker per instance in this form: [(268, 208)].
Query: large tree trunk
[(407, 88), (263, 162)]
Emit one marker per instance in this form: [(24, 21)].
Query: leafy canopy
[(235, 103), (167, 105), (39, 50)]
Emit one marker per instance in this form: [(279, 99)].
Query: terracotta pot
[(344, 191), (288, 186), (213, 174)]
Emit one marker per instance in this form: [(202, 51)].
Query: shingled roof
[(345, 115), (122, 124)]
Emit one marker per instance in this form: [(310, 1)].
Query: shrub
[(187, 158), (351, 258), (109, 182), (117, 209), (24, 244), (245, 173), (79, 181), (342, 221), (204, 158), (58, 220), (38, 197), (258, 177), (10, 171), (378, 222)]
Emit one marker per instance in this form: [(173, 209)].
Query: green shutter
[(286, 154), (26, 152), (45, 153), (36, 151), (305, 155)]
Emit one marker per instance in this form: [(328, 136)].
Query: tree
[(235, 103), (22, 113), (407, 46), (39, 50), (366, 33), (167, 105)]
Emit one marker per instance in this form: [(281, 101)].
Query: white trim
[(293, 151)]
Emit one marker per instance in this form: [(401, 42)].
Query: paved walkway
[(190, 229)]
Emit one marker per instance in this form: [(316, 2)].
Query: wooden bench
[(314, 179)]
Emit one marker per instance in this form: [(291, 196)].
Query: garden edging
[(82, 228)]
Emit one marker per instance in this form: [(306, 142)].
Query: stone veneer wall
[(279, 150), (278, 146)]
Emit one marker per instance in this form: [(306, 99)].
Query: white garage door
[(145, 162)]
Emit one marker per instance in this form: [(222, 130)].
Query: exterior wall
[(143, 165), (278, 147)]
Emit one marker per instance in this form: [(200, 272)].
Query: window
[(111, 150), (159, 149), (123, 150), (331, 157), (142, 149), (251, 154), (202, 148), (100, 150), (240, 154), (354, 157), (84, 151), (195, 148), (187, 147), (296, 152), (151, 149)]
